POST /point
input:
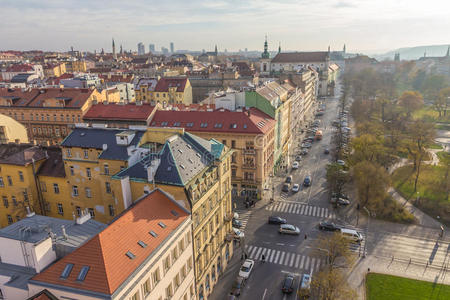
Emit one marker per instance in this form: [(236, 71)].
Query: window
[(112, 212), (69, 153), (21, 176), (61, 117), (54, 117), (56, 188), (86, 153), (169, 291), (106, 169), (135, 296), (162, 225), (66, 272), (25, 196), (48, 117), (167, 263), (67, 118), (2, 184), (78, 210), (31, 117), (224, 142), (176, 281), (74, 190), (10, 219), (156, 277), (83, 272), (5, 201), (14, 200), (146, 287), (9, 180), (72, 172), (108, 187), (88, 192), (60, 209), (56, 131), (174, 254), (91, 212), (181, 245), (88, 172), (233, 144)]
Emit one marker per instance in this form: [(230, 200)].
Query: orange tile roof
[(105, 253)]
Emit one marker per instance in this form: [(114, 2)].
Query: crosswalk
[(301, 209), (244, 215), (285, 258)]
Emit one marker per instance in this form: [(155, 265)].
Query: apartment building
[(168, 90), (145, 253)]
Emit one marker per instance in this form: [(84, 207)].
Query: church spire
[(266, 53), (279, 47), (343, 49), (215, 50), (114, 49)]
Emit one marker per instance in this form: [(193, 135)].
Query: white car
[(340, 162), (238, 234), (289, 229), (295, 188), (246, 268), (295, 165)]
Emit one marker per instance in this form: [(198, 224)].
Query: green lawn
[(432, 188), (444, 157), (387, 287), (427, 113)]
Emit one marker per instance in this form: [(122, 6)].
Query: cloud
[(344, 4)]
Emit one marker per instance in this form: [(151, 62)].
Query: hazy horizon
[(365, 26)]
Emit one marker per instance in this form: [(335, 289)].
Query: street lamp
[(367, 230)]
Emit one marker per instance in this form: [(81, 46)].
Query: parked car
[(340, 162), (304, 151), (289, 229), (285, 188), (298, 158), (236, 223), (295, 188), (308, 140), (288, 179), (238, 284), (340, 195), (305, 285), (288, 284), (340, 201), (307, 181), (329, 226), (306, 145), (326, 151), (238, 234), (295, 165), (246, 268), (352, 235), (276, 220)]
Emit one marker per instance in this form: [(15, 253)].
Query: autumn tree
[(410, 101), (336, 248), (331, 284), (337, 177), (442, 103), (368, 147), (371, 181)]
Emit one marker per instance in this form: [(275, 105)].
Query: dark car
[(288, 179), (276, 220), (236, 223), (285, 188), (307, 181), (329, 226), (288, 284), (326, 151), (298, 158), (308, 140), (340, 195), (238, 284), (304, 151)]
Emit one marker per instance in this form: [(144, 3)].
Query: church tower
[(265, 59), (215, 50), (343, 49), (279, 47), (114, 49)]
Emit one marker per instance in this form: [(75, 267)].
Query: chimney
[(248, 113), (29, 212), (63, 229)]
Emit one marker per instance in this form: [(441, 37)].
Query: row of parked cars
[(348, 233)]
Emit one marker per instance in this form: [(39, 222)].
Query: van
[(352, 235), (318, 135)]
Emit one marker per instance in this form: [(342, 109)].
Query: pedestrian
[(306, 236), (245, 256), (263, 258), (242, 256)]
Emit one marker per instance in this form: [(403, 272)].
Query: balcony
[(249, 151), (229, 236), (228, 217), (249, 166)]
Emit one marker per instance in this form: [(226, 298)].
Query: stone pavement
[(395, 267)]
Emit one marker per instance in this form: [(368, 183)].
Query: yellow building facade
[(55, 70), (12, 131), (169, 90)]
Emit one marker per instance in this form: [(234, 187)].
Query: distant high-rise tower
[(397, 57), (266, 53), (329, 49), (121, 50), (151, 48), (343, 49), (172, 49), (141, 48), (114, 49), (215, 50), (279, 47)]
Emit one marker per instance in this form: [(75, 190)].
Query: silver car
[(289, 229)]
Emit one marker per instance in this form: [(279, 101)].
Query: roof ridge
[(167, 144)]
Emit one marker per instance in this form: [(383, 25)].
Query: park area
[(382, 287)]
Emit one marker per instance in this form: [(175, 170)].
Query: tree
[(368, 147), (432, 85), (442, 103), (337, 250), (420, 135), (411, 101), (331, 284), (371, 181), (337, 177)]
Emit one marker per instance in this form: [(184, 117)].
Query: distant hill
[(410, 53)]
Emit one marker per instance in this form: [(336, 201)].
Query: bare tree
[(337, 250), (331, 284)]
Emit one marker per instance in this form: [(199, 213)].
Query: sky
[(369, 26)]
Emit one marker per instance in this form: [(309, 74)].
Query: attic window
[(245, 126), (130, 255), (153, 123), (176, 124), (142, 244), (162, 225), (164, 124), (233, 125), (198, 154), (218, 125), (66, 272), (189, 124), (189, 146), (173, 212), (181, 151), (204, 125), (181, 166), (153, 234), (83, 273)]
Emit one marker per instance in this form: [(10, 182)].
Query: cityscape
[(175, 158)]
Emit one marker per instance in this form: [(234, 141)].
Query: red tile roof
[(105, 254), (164, 84), (43, 295), (20, 68), (119, 112), (220, 120), (117, 78)]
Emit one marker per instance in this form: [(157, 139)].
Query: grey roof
[(21, 78), (96, 137), (181, 159), (37, 228), (19, 275)]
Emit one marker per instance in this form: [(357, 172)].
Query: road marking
[(318, 264), (282, 257), (257, 254), (314, 211), (276, 257), (303, 209), (292, 260), (249, 248), (298, 209), (303, 260), (297, 260), (280, 244), (253, 251), (306, 262), (264, 295), (286, 261), (313, 260), (272, 255), (310, 210)]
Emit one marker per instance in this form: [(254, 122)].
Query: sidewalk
[(376, 264)]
